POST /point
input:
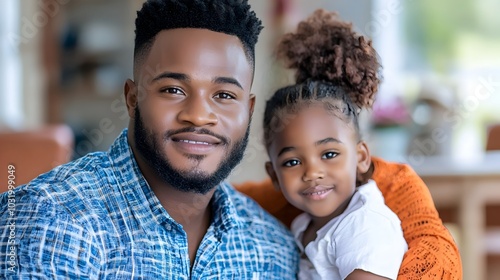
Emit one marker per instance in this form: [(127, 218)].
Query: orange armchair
[(33, 152)]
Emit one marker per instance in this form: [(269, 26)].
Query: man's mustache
[(224, 140)]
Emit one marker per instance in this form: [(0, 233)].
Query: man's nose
[(198, 111)]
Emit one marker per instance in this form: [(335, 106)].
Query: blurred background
[(65, 62)]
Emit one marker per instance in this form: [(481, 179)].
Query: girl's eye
[(329, 155), (291, 163), (172, 90), (224, 95)]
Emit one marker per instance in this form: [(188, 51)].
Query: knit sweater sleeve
[(432, 252)]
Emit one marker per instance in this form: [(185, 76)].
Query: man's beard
[(194, 180)]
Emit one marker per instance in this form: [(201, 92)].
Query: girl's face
[(315, 159)]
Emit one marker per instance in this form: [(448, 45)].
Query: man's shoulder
[(80, 172), (65, 186), (259, 229), (250, 212)]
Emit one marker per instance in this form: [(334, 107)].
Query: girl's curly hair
[(333, 65), (325, 48)]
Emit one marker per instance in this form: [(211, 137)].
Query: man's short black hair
[(233, 17)]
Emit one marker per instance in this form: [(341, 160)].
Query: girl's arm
[(432, 252), (359, 274)]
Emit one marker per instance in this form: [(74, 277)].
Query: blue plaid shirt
[(97, 218)]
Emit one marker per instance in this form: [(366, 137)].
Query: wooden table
[(469, 185)]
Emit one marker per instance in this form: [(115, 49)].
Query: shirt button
[(169, 227)]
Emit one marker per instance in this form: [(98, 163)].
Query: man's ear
[(364, 158), (130, 92), (251, 104), (272, 174)]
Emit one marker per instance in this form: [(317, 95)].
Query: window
[(11, 110), (459, 41)]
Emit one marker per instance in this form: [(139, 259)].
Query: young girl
[(318, 157)]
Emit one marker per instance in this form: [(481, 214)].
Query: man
[(154, 206)]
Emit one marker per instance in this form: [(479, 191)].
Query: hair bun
[(326, 48)]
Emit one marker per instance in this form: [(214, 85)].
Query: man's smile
[(193, 143)]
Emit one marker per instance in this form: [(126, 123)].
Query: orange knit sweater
[(432, 253)]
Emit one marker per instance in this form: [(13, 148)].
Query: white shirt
[(366, 236)]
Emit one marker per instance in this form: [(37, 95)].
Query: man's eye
[(291, 163), (224, 95), (329, 155), (172, 91)]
